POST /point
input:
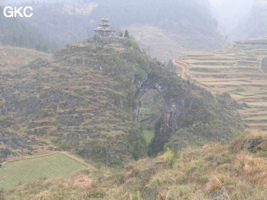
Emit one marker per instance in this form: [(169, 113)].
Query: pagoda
[(104, 28)]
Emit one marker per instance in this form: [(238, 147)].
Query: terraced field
[(43, 167), (236, 70)]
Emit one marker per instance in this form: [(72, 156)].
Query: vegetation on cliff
[(85, 99)]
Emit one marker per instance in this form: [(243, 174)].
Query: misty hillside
[(254, 25), (105, 116), (241, 19), (175, 26), (230, 13), (15, 32)]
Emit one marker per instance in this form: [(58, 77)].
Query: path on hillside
[(182, 65)]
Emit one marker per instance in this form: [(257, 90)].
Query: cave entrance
[(151, 110)]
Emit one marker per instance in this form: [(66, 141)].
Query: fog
[(230, 13), (234, 17)]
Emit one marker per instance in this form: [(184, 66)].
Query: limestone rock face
[(251, 143), (255, 145)]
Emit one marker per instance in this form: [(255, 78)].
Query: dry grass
[(212, 171)]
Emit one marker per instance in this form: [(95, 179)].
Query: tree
[(126, 33), (95, 37), (121, 34)]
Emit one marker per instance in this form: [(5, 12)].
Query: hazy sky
[(216, 3)]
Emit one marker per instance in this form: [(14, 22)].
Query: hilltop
[(87, 99)]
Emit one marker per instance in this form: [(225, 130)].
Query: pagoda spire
[(104, 29)]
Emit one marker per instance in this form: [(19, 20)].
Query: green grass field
[(28, 170), (148, 135), (151, 109)]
